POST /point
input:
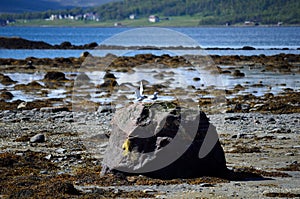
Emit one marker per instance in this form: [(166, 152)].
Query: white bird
[(22, 105), (139, 93)]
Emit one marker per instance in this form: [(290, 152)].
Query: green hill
[(201, 12), (209, 12)]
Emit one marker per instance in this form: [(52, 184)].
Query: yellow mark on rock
[(126, 147)]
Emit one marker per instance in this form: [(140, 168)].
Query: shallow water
[(178, 81)]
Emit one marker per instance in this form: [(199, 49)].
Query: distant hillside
[(209, 11), (21, 6), (83, 3), (18, 6)]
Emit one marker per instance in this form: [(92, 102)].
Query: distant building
[(117, 24), (132, 16), (251, 23), (153, 18), (279, 23)]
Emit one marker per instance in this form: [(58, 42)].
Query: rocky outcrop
[(163, 140), (6, 80), (55, 76), (6, 95), (20, 43)]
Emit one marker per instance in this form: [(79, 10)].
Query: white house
[(153, 18), (132, 16)]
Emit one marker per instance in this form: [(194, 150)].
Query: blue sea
[(266, 40)]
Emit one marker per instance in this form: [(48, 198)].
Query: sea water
[(266, 40)]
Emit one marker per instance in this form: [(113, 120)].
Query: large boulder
[(163, 140)]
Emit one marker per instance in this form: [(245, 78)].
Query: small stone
[(48, 157), (116, 191), (272, 121), (282, 138), (104, 109), (61, 150), (205, 185), (149, 191), (289, 154), (131, 178), (43, 172), (38, 138)]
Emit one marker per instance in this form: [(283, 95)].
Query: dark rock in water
[(109, 75), (6, 95), (90, 45), (238, 73), (55, 76), (6, 80), (248, 48), (164, 141), (85, 54), (38, 138), (65, 45), (109, 81), (20, 43)]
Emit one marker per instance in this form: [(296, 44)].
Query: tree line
[(210, 12)]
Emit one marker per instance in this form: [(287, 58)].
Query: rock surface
[(162, 141)]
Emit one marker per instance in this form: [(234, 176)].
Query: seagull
[(139, 93)]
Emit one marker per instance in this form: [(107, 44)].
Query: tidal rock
[(85, 54), (6, 80), (164, 141), (248, 48), (55, 76), (38, 138), (238, 73), (83, 80), (6, 95), (109, 81), (20, 43)]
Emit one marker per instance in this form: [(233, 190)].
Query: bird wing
[(141, 89), (137, 93)]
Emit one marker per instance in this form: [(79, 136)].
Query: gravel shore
[(267, 143), (49, 148)]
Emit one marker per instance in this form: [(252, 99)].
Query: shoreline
[(21, 43)]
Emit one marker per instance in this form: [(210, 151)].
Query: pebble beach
[(45, 150)]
